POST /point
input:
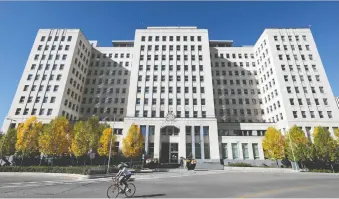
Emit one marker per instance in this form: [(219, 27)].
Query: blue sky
[(242, 22)]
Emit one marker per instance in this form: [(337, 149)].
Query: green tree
[(27, 136), (325, 146), (297, 146), (56, 139), (273, 144), (133, 143), (94, 130), (8, 142)]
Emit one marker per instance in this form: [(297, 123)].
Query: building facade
[(189, 94)]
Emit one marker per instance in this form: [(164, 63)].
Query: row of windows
[(308, 101), (103, 100), (102, 110), (37, 99), (276, 118), (169, 57), (235, 82), (241, 112), (108, 72), (170, 38), (234, 64), (162, 114), (171, 67), (289, 89), (235, 72), (44, 77), (283, 68), (307, 47), (240, 101), (170, 101), (290, 38), (109, 64), (309, 77), (236, 91), (50, 57), (312, 114), (170, 47), (235, 151), (33, 111), (68, 116), (74, 95), (288, 57), (170, 89), (71, 105), (60, 47), (106, 81), (41, 88), (233, 55), (104, 90), (56, 38), (170, 78), (47, 66), (110, 55)]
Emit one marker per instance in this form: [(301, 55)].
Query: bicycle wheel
[(112, 191), (130, 190)]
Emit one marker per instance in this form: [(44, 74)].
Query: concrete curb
[(263, 170), (42, 174)]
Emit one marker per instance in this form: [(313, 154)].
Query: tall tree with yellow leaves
[(56, 139), (81, 141), (105, 142), (27, 136), (133, 143), (273, 144), (297, 146)]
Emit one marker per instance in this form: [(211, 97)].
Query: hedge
[(239, 164), (74, 170)]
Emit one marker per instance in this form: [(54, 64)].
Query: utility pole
[(110, 147)]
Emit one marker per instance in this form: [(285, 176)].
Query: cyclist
[(123, 171)]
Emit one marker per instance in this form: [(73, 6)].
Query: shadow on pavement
[(149, 196)]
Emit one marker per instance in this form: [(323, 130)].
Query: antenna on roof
[(309, 26)]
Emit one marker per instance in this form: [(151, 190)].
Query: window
[(52, 100), (69, 38), (49, 111), (235, 152), (312, 114), (255, 151), (329, 114), (295, 114), (321, 89), (291, 101), (325, 101), (321, 114)]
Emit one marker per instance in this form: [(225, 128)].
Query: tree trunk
[(332, 167), (22, 159), (277, 163)]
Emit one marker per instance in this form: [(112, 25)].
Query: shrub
[(322, 171), (239, 164), (72, 170)]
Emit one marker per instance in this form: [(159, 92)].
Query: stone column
[(193, 142), (202, 142), (182, 141), (157, 142), (147, 139)]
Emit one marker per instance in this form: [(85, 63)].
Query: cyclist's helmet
[(120, 166)]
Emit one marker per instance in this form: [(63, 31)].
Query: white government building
[(189, 94)]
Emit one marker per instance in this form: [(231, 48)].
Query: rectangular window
[(235, 152), (224, 150), (245, 151), (255, 151)]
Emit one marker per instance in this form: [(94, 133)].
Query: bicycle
[(114, 190)]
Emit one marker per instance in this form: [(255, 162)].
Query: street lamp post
[(3, 141), (110, 147)]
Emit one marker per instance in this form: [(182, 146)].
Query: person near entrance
[(123, 171)]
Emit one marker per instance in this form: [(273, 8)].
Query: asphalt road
[(186, 185)]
